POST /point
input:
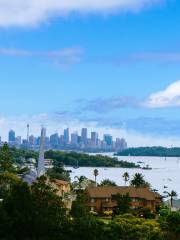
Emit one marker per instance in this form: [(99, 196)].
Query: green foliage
[(127, 227), (7, 181), (151, 151), (58, 172), (108, 182), (170, 223), (6, 159), (78, 207), (138, 181), (85, 160), (123, 204), (32, 213)]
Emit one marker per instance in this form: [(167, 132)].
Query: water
[(165, 172)]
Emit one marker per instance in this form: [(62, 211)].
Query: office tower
[(12, 136), (31, 140), (108, 139), (0, 140), (18, 140), (84, 136), (28, 133), (120, 144), (66, 136), (54, 140), (94, 139), (61, 140), (41, 168), (38, 140), (47, 142), (74, 139)]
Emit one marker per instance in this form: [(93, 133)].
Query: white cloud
[(169, 97), (64, 56), (33, 12)]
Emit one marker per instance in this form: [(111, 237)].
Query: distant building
[(94, 139), (84, 136), (12, 136), (108, 139), (31, 140), (18, 140), (120, 144), (54, 140), (66, 136), (74, 139)]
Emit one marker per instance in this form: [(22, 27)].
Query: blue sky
[(111, 66)]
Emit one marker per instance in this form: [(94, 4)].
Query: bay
[(164, 176)]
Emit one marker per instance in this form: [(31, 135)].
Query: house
[(62, 187), (100, 199)]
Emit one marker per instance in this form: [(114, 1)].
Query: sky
[(111, 66)]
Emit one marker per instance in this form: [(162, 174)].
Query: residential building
[(100, 199)]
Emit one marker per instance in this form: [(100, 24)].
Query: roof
[(61, 182), (107, 192)]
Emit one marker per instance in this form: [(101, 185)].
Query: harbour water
[(164, 176)]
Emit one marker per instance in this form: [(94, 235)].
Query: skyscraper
[(12, 136), (41, 168), (54, 140), (108, 139), (84, 136), (74, 139), (94, 139), (66, 136)]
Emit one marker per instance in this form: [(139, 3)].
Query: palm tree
[(96, 173), (172, 195), (138, 181), (126, 177)]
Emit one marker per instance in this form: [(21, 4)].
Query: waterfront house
[(101, 199)]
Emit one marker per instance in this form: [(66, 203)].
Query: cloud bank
[(169, 97), (33, 12)]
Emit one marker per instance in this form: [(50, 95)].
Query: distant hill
[(151, 151)]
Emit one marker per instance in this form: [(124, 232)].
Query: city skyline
[(67, 140), (110, 66)]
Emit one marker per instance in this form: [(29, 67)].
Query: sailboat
[(77, 165)]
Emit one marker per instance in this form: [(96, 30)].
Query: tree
[(96, 173), (138, 181), (78, 207), (58, 171), (7, 181), (126, 177), (80, 179), (108, 182), (6, 159), (34, 212), (123, 203), (172, 195)]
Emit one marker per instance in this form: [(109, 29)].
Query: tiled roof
[(107, 192)]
